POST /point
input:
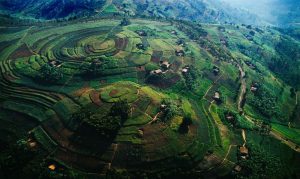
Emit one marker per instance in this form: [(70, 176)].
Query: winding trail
[(155, 118), (273, 133), (243, 88)]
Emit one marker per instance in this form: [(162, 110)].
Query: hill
[(144, 98), (199, 10)]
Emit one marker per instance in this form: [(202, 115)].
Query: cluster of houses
[(244, 154), (165, 65)]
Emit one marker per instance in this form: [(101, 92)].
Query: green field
[(149, 99)]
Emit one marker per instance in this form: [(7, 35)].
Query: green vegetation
[(135, 97)]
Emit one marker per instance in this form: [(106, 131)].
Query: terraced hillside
[(145, 99)]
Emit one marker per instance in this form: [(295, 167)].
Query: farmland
[(151, 98)]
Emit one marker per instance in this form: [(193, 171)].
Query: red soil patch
[(121, 43), (22, 51), (113, 92), (166, 83), (95, 97), (175, 66), (79, 161), (57, 131), (156, 56), (80, 92), (154, 139)]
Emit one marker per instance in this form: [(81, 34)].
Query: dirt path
[(228, 151), (155, 118), (211, 86), (113, 156), (289, 143), (244, 136), (278, 136), (107, 3), (243, 89)]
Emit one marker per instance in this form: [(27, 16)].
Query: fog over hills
[(275, 12), (261, 12)]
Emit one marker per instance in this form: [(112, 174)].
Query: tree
[(106, 125), (125, 22), (50, 74), (170, 110), (261, 164), (186, 121)]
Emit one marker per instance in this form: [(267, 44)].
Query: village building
[(55, 63), (254, 87), (31, 143), (140, 46), (179, 53), (229, 117), (250, 64), (141, 33), (173, 32), (185, 69), (250, 38), (216, 70), (165, 65), (180, 42), (159, 71), (217, 96), (163, 107), (244, 152), (52, 167), (237, 168)]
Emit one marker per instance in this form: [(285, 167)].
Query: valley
[(137, 97)]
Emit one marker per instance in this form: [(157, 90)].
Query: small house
[(165, 64), (173, 32), (217, 96), (31, 143), (216, 70), (244, 152), (55, 63), (140, 46), (180, 42), (237, 168), (141, 32), (52, 167), (163, 107), (185, 69), (250, 38), (253, 88), (179, 53), (159, 71)]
